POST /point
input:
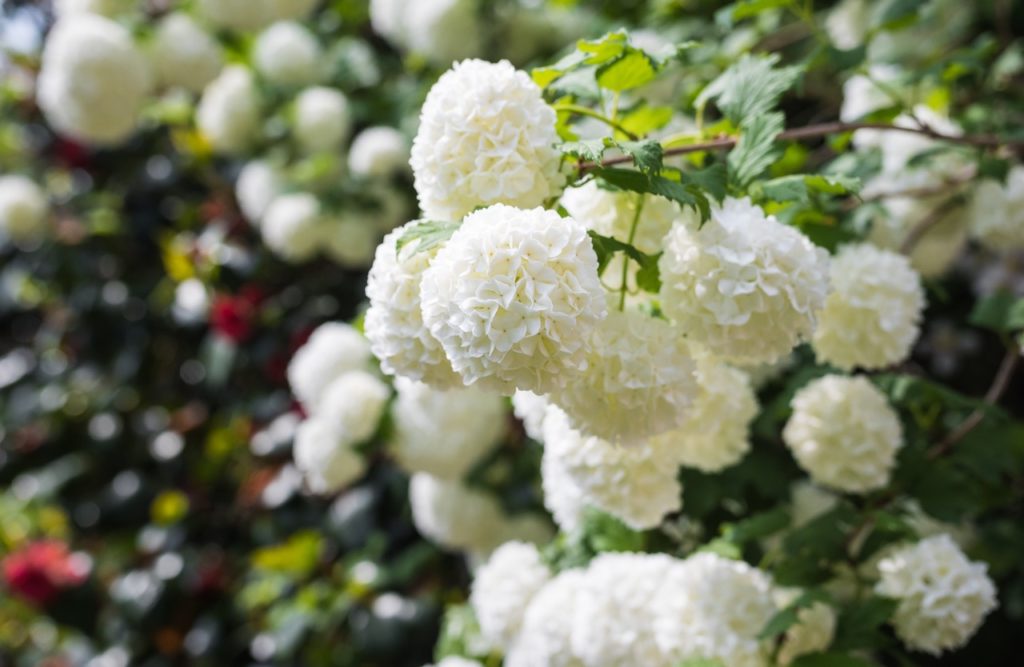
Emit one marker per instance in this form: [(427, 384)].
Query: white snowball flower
[(813, 631), (899, 148), (443, 30), (872, 316), (287, 54), (808, 501), (844, 433), (938, 248), (943, 596), (848, 23), (564, 497), (863, 95), (512, 297), (322, 119), (94, 80), (716, 433), (259, 183), (444, 433), (997, 212), (532, 410), (335, 348), (454, 515), (378, 152), (350, 239), (614, 620), (502, 590), (184, 54), (546, 634), (291, 226), (325, 458), (394, 322), (611, 213), (639, 381), (23, 209), (486, 136), (713, 608), (353, 405), (387, 19), (636, 484), (228, 114), (744, 285)]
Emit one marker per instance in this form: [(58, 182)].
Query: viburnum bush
[(700, 346)]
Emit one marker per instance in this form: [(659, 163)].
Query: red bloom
[(39, 571), (232, 316)]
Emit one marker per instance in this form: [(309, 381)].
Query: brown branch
[(934, 218), (821, 130), (999, 385)]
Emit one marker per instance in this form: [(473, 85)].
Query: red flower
[(232, 316), (39, 571)]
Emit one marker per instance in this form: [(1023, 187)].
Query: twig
[(929, 222)]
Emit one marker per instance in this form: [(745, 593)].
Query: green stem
[(625, 263), (585, 111)]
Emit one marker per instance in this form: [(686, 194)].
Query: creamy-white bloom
[(23, 209), (349, 238), (291, 226), (716, 433), (335, 348), (322, 119), (943, 596), (997, 212), (454, 515), (813, 631), (745, 286), (862, 93), (353, 405), (545, 637), (844, 433), (394, 322), (259, 183), (808, 501), (611, 213), (639, 380), (228, 114), (848, 23), (938, 248), (502, 590), (378, 152), (325, 457), (636, 484), (184, 54), (287, 54), (564, 497), (439, 30), (513, 297), (94, 79), (486, 136), (444, 433), (532, 410), (873, 314)]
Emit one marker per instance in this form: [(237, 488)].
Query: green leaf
[(747, 8), (785, 618), (646, 119), (604, 49), (606, 247), (712, 179), (635, 181), (799, 187), (831, 659), (590, 150), (647, 155), (1002, 312), (429, 233), (631, 70), (899, 13), (750, 88), (648, 278), (700, 662), (756, 149), (859, 623), (757, 526)]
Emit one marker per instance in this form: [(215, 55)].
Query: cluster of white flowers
[(611, 213), (258, 184), (872, 316), (943, 596), (378, 151), (997, 212), (444, 433), (291, 226), (486, 136), (184, 54), (228, 114), (844, 433), (439, 30), (322, 119), (812, 632), (23, 210), (744, 286), (287, 54), (94, 79), (502, 590)]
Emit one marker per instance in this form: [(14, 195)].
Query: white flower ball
[(713, 608), (502, 590), (848, 23), (513, 297), (564, 497), (744, 286), (898, 149), (844, 433), (184, 54), (813, 631), (808, 501), (394, 322), (716, 434), (387, 19), (943, 596), (639, 381), (545, 637), (23, 210), (94, 80), (354, 404), (287, 54), (611, 213), (935, 251), (335, 348), (872, 316), (259, 184), (479, 104), (444, 433), (636, 484), (350, 239), (322, 119), (378, 152), (228, 114), (291, 226), (532, 410), (997, 212), (862, 95), (439, 30), (454, 515), (325, 458)]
